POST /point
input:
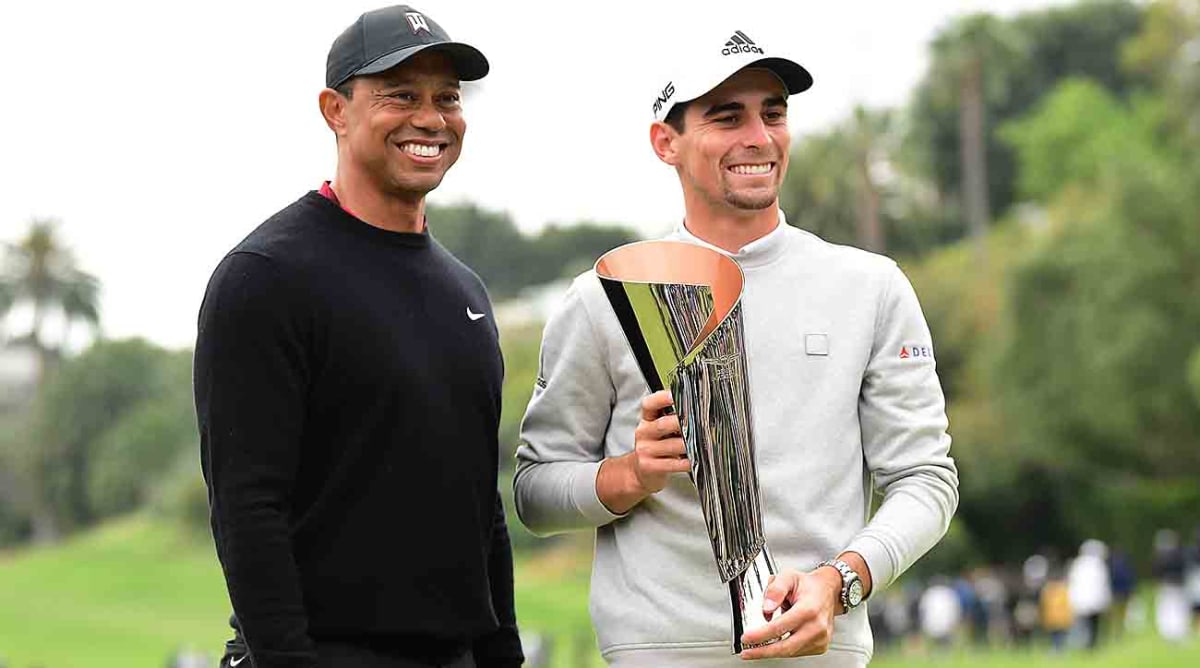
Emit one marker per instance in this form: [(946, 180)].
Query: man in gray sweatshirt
[(843, 388)]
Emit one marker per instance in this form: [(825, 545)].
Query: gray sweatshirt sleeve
[(903, 416), (564, 428)]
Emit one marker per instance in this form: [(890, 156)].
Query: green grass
[(126, 594), (1144, 651), (135, 590), (132, 591)]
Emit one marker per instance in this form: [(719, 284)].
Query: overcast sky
[(160, 133)]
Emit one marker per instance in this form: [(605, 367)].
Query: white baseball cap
[(708, 63)]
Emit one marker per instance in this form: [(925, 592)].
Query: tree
[(1103, 316), (566, 250), (103, 427), (7, 298), (868, 134), (969, 58), (852, 185), (146, 440), (1194, 374), (832, 187), (1167, 54), (39, 270), (486, 241), (509, 261), (818, 192), (1077, 136), (1023, 59)]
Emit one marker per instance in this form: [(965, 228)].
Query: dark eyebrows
[(722, 108), (716, 109), (400, 82)]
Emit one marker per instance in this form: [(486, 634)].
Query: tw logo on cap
[(740, 43), (417, 22)]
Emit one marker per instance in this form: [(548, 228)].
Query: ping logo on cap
[(417, 22), (740, 43), (663, 97)]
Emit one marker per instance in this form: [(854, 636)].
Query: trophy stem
[(746, 592)]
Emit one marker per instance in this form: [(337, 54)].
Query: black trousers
[(341, 655)]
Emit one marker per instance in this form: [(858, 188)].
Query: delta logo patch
[(915, 352)]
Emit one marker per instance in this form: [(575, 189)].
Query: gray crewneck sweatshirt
[(843, 392)]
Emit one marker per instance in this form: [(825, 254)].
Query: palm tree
[(41, 272), (7, 298), (832, 187), (818, 192), (868, 133), (967, 58)]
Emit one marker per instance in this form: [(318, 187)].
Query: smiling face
[(733, 150), (403, 128)]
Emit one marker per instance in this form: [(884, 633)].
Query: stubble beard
[(751, 201), (743, 201)]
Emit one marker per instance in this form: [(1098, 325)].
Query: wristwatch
[(852, 586)]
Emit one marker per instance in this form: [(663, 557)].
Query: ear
[(333, 109), (662, 140)]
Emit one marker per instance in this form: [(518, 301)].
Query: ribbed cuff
[(879, 561), (583, 495)]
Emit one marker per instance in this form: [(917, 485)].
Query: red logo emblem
[(903, 353)]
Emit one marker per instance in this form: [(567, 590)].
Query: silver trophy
[(679, 305)]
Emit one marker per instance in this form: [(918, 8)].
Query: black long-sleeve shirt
[(348, 383)]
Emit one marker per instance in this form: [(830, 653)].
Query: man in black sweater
[(347, 381)]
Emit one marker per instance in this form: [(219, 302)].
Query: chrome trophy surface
[(679, 305)]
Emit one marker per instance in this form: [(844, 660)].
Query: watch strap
[(849, 575)]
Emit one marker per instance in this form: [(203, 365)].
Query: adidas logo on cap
[(740, 43)]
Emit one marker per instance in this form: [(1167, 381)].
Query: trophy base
[(746, 598)]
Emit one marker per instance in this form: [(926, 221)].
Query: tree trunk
[(45, 527), (870, 227), (35, 336), (972, 139), (78, 504), (43, 520)]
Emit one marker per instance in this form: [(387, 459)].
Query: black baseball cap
[(383, 38)]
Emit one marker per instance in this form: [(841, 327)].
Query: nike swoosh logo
[(234, 662), (472, 315)]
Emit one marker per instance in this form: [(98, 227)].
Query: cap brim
[(469, 63), (792, 74), (794, 77)]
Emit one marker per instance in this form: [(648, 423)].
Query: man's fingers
[(657, 430), (782, 623), (671, 448), (669, 465), (813, 638), (809, 635), (780, 588), (667, 425), (653, 405)]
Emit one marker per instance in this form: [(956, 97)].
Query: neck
[(726, 227), (359, 193)]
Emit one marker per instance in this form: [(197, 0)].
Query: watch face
[(855, 594)]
